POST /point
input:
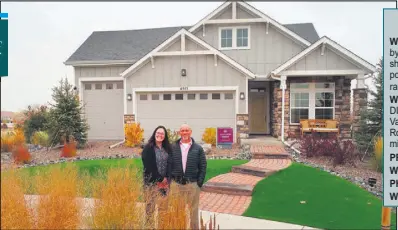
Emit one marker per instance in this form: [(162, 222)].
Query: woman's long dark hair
[(165, 143)]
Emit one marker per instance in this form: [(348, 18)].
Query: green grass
[(92, 167), (330, 202)]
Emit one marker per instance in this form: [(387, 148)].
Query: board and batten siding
[(99, 71), (200, 72), (267, 51), (330, 60), (240, 13)]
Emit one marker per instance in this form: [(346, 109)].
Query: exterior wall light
[(129, 97), (242, 96), (183, 72)]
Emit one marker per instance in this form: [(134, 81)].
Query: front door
[(257, 113)]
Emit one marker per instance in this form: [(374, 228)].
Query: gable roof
[(252, 9), (123, 45), (353, 58), (129, 46), (186, 33)]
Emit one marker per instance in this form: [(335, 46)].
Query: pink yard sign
[(225, 135)]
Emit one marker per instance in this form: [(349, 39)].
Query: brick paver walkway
[(216, 197)]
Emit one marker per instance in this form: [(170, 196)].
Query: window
[(299, 106), (311, 101), (234, 38), (87, 86), (242, 37), (179, 96), (143, 97), (155, 97), (215, 96), (228, 96), (191, 96), (167, 97), (109, 86), (98, 86), (119, 85), (324, 105), (226, 38), (203, 96)]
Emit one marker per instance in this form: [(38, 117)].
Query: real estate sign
[(225, 137), (390, 107), (3, 44)]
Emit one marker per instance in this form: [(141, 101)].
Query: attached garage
[(199, 109), (104, 109)]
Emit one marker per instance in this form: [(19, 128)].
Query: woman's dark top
[(154, 160)]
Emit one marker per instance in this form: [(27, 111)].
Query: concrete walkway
[(228, 221)]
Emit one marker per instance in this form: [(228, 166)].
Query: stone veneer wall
[(360, 101), (242, 127), (342, 105)]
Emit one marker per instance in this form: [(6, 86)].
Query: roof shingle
[(132, 45)]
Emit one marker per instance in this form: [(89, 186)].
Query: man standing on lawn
[(187, 170)]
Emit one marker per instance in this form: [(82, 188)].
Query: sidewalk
[(228, 221)]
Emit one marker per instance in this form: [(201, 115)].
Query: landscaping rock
[(206, 148)]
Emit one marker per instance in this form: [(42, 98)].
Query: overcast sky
[(43, 35)]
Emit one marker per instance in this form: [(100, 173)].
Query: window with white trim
[(234, 38), (311, 101), (226, 38)]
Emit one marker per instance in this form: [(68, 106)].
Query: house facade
[(237, 68)]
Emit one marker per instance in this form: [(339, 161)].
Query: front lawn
[(308, 196), (92, 167)]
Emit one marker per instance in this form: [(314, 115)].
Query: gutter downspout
[(282, 79)]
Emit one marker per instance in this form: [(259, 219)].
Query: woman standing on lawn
[(154, 158)]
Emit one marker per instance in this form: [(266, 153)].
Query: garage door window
[(155, 97), (109, 86), (203, 96), (191, 96), (143, 97), (98, 86), (229, 96), (119, 85), (179, 96), (87, 86), (215, 96), (167, 97)]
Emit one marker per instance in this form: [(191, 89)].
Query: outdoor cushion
[(304, 124), (331, 124)]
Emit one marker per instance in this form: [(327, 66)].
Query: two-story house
[(237, 67)]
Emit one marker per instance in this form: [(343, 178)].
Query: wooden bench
[(319, 126)]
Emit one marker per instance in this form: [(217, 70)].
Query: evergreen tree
[(65, 119), (371, 118)]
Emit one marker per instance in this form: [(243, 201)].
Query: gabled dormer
[(252, 38)]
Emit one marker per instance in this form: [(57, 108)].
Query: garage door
[(104, 110), (198, 109)]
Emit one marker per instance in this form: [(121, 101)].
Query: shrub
[(69, 149), (40, 138), (341, 151), (209, 136), (58, 207), (21, 155), (14, 212), (11, 139), (173, 135), (378, 156), (134, 134), (36, 120)]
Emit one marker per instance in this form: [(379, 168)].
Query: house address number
[(184, 88)]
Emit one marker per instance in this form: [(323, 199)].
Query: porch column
[(360, 101), (283, 88)]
